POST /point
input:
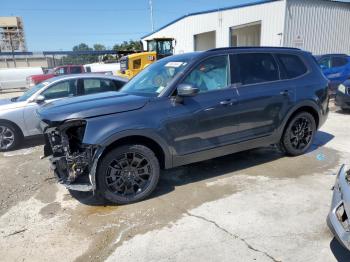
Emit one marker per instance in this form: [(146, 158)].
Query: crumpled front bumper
[(74, 168), (338, 217)]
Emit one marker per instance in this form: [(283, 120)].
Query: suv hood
[(90, 106)]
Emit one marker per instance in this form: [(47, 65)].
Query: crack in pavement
[(233, 235)]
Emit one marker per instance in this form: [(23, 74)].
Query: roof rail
[(253, 47)]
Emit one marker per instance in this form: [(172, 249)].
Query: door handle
[(284, 93), (228, 102)]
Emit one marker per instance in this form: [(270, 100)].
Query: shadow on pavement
[(343, 111), (33, 141), (321, 139), (172, 178), (339, 252)]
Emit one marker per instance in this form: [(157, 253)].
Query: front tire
[(10, 137), (128, 174), (299, 134)]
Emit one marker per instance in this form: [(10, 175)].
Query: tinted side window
[(257, 68), (75, 70), (292, 66), (61, 89), (339, 61), (210, 74), (92, 86)]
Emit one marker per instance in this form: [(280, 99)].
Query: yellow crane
[(157, 48)]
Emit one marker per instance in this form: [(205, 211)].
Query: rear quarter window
[(292, 66)]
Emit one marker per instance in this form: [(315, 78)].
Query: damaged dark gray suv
[(184, 109)]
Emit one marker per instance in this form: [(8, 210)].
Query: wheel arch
[(142, 137), (18, 129), (307, 106)]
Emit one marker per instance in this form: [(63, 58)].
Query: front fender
[(104, 131)]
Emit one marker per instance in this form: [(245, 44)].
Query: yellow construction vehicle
[(157, 48)]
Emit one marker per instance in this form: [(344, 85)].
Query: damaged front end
[(73, 162), (338, 217)]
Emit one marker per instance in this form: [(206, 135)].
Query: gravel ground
[(255, 206)]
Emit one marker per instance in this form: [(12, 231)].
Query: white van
[(15, 78), (109, 68)]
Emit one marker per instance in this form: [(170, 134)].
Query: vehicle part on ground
[(128, 173), (299, 134), (10, 137), (338, 217)]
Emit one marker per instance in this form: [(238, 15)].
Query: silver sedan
[(18, 118)]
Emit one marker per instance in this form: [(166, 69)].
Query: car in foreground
[(342, 97), (184, 109), (18, 117), (338, 217), (336, 67)]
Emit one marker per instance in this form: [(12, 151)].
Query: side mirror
[(187, 90), (40, 99), (323, 67)]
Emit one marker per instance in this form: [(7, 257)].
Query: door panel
[(208, 119), (205, 121), (263, 107), (263, 99)]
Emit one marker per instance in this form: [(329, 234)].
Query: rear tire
[(299, 134), (128, 174), (10, 136)]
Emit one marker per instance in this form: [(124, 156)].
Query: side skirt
[(224, 150)]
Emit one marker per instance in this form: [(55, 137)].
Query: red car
[(60, 70)]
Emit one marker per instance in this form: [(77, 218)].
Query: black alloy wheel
[(299, 134), (127, 174)]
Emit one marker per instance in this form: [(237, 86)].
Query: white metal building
[(319, 26)]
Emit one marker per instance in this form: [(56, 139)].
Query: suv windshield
[(155, 78)]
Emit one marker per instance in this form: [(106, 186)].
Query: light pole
[(151, 9)]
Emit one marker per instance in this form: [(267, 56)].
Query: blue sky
[(59, 25)]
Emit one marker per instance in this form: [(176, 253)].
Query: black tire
[(6, 129), (128, 174), (299, 134)]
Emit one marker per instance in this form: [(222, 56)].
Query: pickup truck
[(57, 71)]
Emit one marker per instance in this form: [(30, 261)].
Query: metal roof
[(224, 9), (211, 11)]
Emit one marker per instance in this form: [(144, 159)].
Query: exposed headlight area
[(71, 159), (342, 89)]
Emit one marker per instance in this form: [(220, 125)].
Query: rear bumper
[(341, 198)]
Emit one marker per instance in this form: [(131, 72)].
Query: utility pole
[(151, 9)]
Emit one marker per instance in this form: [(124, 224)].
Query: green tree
[(130, 45), (99, 47), (80, 59)]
